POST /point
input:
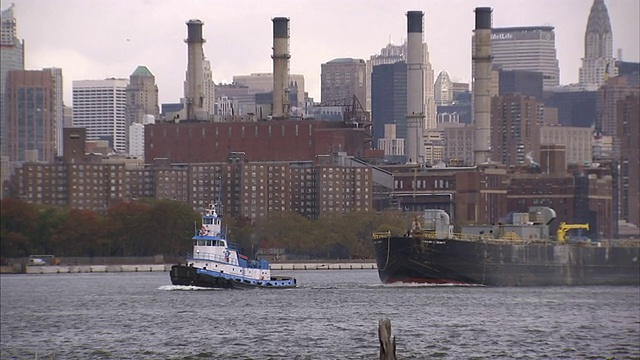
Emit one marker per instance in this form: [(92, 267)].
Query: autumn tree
[(17, 225)]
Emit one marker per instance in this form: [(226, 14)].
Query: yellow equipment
[(564, 227)]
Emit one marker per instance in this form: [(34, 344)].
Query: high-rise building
[(142, 95), (343, 78), (58, 106), (524, 82), (11, 58), (530, 48), (514, 119), (136, 136), (389, 54), (577, 141), (575, 108), (628, 113), (614, 89), (430, 112), (598, 63), (443, 89), (263, 83), (100, 107), (392, 146), (389, 99), (396, 53), (33, 112), (459, 144), (142, 100)]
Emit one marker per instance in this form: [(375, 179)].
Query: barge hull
[(451, 261)]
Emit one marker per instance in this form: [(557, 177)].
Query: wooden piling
[(387, 343)]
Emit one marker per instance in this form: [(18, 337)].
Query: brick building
[(259, 141)]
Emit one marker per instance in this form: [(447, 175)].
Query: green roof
[(141, 71)]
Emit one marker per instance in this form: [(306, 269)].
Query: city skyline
[(239, 35)]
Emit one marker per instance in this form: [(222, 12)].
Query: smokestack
[(482, 86), (194, 97), (281, 58), (415, 88)]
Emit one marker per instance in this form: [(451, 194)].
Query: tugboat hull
[(193, 276)]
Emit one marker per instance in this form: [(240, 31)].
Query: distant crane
[(353, 115)]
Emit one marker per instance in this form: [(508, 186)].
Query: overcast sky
[(96, 39)]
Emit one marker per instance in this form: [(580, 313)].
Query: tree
[(17, 225), (78, 234)]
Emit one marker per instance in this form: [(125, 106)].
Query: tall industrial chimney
[(415, 88), (281, 106), (482, 86), (194, 98)]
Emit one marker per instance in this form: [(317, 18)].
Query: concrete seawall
[(67, 269)]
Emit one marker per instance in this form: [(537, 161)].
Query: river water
[(333, 314)]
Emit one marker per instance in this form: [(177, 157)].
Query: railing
[(487, 238)]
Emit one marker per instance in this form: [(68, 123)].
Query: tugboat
[(217, 263)]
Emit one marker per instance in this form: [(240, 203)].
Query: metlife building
[(531, 48)]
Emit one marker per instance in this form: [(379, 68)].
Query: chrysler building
[(598, 63)]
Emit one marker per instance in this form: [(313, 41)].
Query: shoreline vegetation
[(148, 227)]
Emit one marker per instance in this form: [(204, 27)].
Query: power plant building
[(199, 95)]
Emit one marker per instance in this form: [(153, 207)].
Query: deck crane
[(564, 227)]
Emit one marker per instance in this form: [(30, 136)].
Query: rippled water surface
[(332, 315)]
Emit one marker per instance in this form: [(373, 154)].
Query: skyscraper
[(11, 58), (429, 96), (530, 48), (263, 82), (100, 107), (58, 107), (513, 124), (389, 99), (142, 95), (443, 89), (614, 89), (628, 113), (33, 112), (391, 54), (598, 63), (342, 79)]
